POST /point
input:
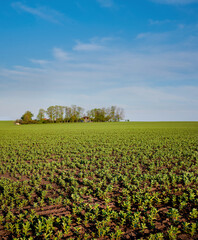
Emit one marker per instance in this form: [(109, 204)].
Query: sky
[(140, 55)]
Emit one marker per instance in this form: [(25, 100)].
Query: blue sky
[(139, 55)]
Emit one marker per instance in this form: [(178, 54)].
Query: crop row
[(99, 181)]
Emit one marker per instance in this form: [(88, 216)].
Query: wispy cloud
[(85, 71), (153, 37), (39, 61), (94, 44), (177, 2), (87, 46), (41, 12), (182, 36), (59, 54), (150, 84), (106, 3), (143, 35), (159, 22)]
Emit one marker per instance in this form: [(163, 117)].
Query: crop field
[(124, 180)]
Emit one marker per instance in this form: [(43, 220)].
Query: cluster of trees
[(61, 114), (55, 114), (113, 114)]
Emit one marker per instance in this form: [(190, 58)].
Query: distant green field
[(124, 180)]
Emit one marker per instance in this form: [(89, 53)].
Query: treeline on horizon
[(64, 114)]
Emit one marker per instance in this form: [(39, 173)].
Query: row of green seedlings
[(47, 227), (128, 203)]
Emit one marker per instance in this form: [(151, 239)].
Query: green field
[(133, 180)]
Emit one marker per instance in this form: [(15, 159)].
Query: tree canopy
[(27, 116), (74, 113)]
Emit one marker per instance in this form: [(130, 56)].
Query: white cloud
[(176, 2), (139, 81), (87, 46), (153, 37), (39, 61), (41, 12), (106, 3), (143, 35), (88, 69), (159, 22), (60, 54), (112, 67)]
